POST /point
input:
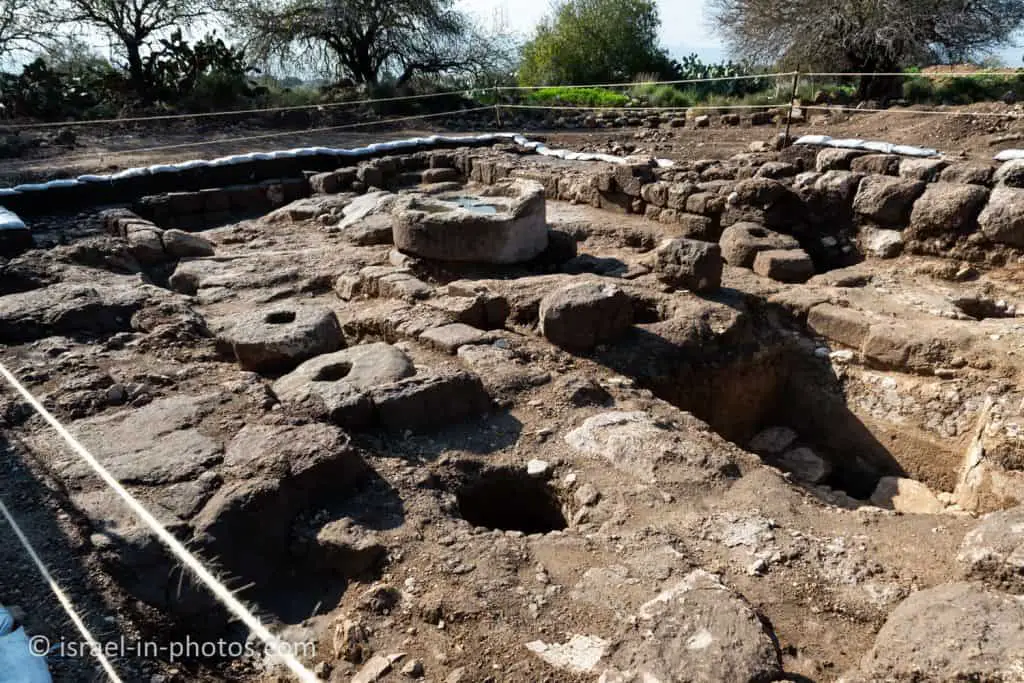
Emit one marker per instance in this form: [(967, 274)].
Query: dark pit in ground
[(511, 500), (280, 317)]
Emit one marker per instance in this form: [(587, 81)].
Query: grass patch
[(577, 97)]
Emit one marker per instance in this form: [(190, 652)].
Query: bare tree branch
[(366, 41)]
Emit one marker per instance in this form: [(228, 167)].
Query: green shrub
[(918, 90), (577, 97), (660, 95)]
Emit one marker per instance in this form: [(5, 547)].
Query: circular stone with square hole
[(501, 223), (277, 338)]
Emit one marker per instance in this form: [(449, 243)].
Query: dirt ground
[(465, 580)]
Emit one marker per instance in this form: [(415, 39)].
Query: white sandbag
[(813, 140), (18, 664), (880, 147), (1009, 155), (369, 150), (130, 173), (911, 151), (10, 221), (846, 143)]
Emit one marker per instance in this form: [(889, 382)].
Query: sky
[(684, 26)]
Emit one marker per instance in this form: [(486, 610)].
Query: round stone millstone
[(502, 223), (277, 338)]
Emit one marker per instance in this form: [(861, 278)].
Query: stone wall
[(839, 204)]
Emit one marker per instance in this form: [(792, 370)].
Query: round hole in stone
[(280, 317), (757, 232), (510, 500), (333, 372)]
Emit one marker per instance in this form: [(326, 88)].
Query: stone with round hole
[(502, 223), (336, 385), (277, 338), (742, 242)]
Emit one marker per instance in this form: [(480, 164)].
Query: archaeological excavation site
[(478, 409)]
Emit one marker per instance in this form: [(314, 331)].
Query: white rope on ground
[(61, 596), (276, 648), (628, 109), (233, 112), (926, 112), (684, 81), (249, 138)]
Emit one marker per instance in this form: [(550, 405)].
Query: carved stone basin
[(501, 223)]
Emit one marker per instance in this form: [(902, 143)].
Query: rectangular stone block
[(843, 325)]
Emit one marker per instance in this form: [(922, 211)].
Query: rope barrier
[(926, 112), (275, 647), (249, 138), (629, 109), (352, 103), (929, 74), (684, 81), (496, 89), (202, 115), (61, 596)]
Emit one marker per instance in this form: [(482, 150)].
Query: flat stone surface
[(994, 550), (449, 338), (784, 265), (953, 632), (280, 336), (701, 631), (637, 444), (580, 654), (181, 244), (847, 326), (73, 309), (430, 401), (152, 445)]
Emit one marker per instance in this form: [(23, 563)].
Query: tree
[(134, 24), (864, 35), (594, 41), (18, 27), (366, 41)]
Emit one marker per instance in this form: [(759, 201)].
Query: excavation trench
[(741, 391)]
